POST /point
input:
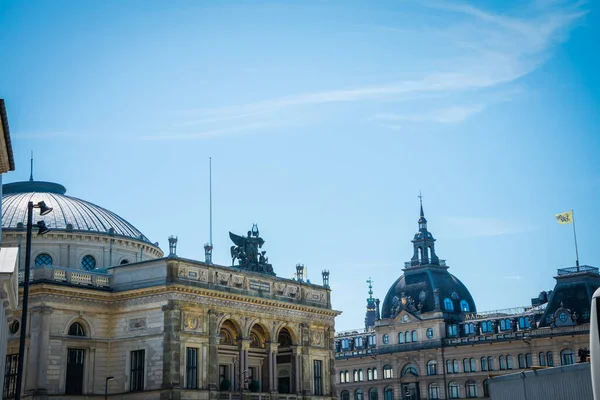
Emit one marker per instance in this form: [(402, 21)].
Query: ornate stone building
[(109, 310), (431, 342)]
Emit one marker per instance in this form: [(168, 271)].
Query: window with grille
[(88, 263), (136, 380), (43, 259), (10, 376), (191, 368), (318, 377), (76, 329)]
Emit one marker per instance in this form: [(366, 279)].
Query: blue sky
[(324, 119)]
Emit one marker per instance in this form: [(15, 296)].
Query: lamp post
[(44, 209), (108, 378)]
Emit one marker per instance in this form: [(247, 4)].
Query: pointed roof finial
[(421, 202), (31, 173), (370, 282)]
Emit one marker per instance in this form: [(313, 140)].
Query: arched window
[(448, 366), (414, 336), (471, 388), (484, 366), (453, 390), (486, 327), (420, 254), (550, 358), (509, 362), (386, 339), (369, 374), (503, 325), (345, 395), (43, 259), (401, 337), (486, 389), (388, 393), (542, 359), (473, 365), (434, 391), (76, 329), (452, 330), (524, 322), (410, 370), (502, 363), (355, 375), (347, 373), (374, 373), (469, 328), (407, 335), (455, 365), (464, 306), (372, 394), (388, 373), (361, 375), (448, 305), (466, 365), (490, 364), (567, 357), (528, 361), (521, 360), (358, 394), (432, 367), (125, 261), (88, 263), (345, 344), (342, 377)]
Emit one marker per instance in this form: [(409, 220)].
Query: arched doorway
[(285, 362), (409, 389), (229, 346)]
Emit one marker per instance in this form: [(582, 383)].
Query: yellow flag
[(565, 218)]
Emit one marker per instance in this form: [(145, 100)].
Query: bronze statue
[(246, 251)]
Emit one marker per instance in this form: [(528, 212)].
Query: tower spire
[(421, 202), (370, 282), (31, 170)]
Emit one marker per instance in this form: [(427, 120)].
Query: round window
[(430, 333), (563, 316), (14, 327), (88, 263), (43, 259)]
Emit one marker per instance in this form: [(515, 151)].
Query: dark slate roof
[(4, 121), (419, 283), (82, 215)]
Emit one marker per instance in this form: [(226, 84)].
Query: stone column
[(244, 346), (213, 353), (273, 366), (297, 372), (43, 349), (172, 347)]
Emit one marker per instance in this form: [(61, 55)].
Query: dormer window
[(464, 306), (448, 305)]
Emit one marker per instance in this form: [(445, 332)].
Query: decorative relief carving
[(279, 287), (317, 338), (194, 273), (315, 295), (222, 278), (137, 323), (291, 291), (192, 322), (237, 280)]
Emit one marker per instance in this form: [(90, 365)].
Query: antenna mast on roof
[(31, 174), (208, 247)]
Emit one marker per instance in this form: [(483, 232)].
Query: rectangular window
[(224, 382), (136, 377), (10, 376), (191, 368), (318, 377)]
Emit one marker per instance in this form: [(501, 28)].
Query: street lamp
[(42, 229), (108, 378)]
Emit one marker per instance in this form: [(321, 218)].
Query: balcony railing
[(69, 276), (409, 264), (575, 270)]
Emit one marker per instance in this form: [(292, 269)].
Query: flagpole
[(575, 237)]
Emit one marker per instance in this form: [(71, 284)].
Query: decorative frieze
[(137, 324), (193, 273), (316, 296)]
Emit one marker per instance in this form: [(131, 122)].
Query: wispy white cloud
[(446, 115), (489, 50), (486, 226)]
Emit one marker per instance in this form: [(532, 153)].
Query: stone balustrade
[(74, 277)]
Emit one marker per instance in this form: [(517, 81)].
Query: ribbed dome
[(420, 283), (69, 213)]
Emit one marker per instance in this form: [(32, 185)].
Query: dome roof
[(419, 284), (69, 213)]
